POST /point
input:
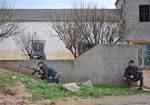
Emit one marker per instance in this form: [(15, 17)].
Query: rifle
[(33, 69)]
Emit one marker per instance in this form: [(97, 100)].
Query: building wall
[(140, 30), (54, 48), (104, 64)]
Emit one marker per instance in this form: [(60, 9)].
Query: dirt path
[(143, 99), (6, 99)]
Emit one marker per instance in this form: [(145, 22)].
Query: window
[(37, 46), (41, 47), (144, 13), (144, 55)]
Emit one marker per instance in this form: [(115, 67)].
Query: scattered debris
[(73, 87)]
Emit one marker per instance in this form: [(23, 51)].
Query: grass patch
[(43, 90)]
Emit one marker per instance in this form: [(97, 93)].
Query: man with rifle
[(47, 72), (133, 74)]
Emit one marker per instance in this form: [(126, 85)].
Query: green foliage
[(43, 90)]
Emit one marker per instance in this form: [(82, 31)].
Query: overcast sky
[(57, 4)]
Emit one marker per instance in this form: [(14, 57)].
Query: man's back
[(49, 69), (52, 69)]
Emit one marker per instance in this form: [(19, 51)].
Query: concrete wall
[(104, 64)]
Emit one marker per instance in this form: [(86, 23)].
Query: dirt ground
[(143, 99), (18, 98)]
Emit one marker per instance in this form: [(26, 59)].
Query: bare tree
[(69, 35), (31, 45), (87, 26), (24, 42), (7, 26)]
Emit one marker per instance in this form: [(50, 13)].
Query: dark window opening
[(38, 47), (144, 55), (144, 13)]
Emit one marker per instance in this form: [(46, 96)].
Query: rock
[(73, 87), (88, 83), (14, 77)]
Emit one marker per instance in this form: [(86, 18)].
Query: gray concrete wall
[(104, 64)]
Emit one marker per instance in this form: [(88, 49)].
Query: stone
[(88, 83), (14, 77), (73, 87)]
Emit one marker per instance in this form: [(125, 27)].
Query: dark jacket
[(48, 70), (129, 71)]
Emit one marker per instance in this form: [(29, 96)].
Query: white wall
[(54, 46)]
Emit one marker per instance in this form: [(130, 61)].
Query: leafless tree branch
[(7, 27), (24, 41), (87, 25)]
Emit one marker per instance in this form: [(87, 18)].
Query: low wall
[(104, 64), (64, 66)]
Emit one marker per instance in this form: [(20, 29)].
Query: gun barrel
[(26, 66)]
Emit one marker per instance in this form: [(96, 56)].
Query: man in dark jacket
[(49, 72), (132, 74)]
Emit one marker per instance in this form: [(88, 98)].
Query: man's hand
[(124, 78), (131, 76), (140, 71)]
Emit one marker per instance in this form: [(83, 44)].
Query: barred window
[(38, 46), (144, 13)]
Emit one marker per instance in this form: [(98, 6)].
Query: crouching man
[(133, 74), (49, 73)]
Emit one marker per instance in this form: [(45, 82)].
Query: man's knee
[(141, 78)]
